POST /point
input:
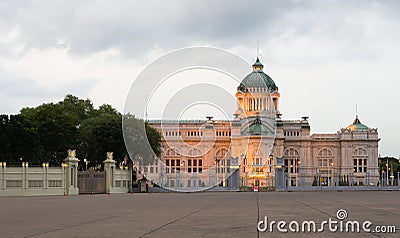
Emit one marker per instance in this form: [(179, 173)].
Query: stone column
[(109, 168), (71, 173)]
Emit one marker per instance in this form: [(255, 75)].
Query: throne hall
[(252, 142)]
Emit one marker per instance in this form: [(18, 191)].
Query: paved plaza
[(205, 214)]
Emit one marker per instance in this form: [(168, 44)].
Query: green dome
[(257, 79), (257, 128), (357, 125)]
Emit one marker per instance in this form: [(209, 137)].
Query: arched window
[(292, 160), (194, 152), (325, 152), (360, 160), (223, 160), (325, 161), (291, 152), (171, 152), (360, 152), (221, 153)]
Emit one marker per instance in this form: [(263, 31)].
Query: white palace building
[(346, 157)]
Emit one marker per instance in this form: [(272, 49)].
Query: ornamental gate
[(91, 182)]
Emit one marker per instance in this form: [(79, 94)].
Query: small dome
[(357, 125), (257, 79), (257, 128)]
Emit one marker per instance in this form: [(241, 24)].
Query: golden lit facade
[(258, 135)]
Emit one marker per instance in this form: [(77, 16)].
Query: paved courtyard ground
[(206, 214)]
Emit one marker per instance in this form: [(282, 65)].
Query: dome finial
[(258, 66), (258, 48), (356, 110), (357, 125)]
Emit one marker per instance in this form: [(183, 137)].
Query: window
[(360, 165), (292, 159), (194, 152), (171, 152), (360, 159), (257, 161), (325, 152)]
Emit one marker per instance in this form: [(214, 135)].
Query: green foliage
[(389, 163), (44, 133), (142, 141)]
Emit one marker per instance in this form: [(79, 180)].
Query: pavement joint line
[(310, 206), (397, 229), (258, 217), (177, 219), (386, 211), (76, 225), (305, 204)]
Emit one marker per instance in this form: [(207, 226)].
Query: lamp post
[(387, 171), (398, 178), (216, 171), (183, 162), (299, 173), (391, 175), (86, 163), (331, 173)]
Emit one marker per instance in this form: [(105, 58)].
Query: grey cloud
[(17, 91), (134, 27)]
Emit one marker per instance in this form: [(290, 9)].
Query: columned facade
[(258, 135)]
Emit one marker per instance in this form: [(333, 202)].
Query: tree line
[(44, 133)]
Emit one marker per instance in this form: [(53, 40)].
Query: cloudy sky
[(325, 56)]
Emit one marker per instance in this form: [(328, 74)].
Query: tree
[(18, 140), (393, 166), (57, 130), (102, 133), (44, 133), (142, 141)]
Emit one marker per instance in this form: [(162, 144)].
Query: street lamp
[(268, 180), (387, 171), (183, 162), (216, 171), (331, 172), (398, 173), (86, 163)]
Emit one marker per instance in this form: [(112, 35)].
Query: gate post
[(280, 176), (109, 168), (72, 173)]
